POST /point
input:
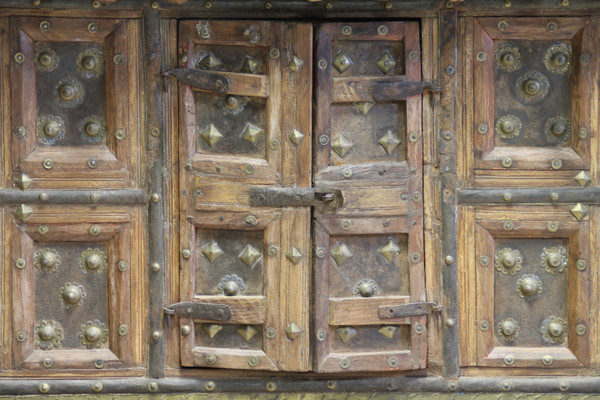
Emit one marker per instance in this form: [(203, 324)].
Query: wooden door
[(369, 253), (257, 133)]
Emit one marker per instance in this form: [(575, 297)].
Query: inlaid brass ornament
[(90, 62), (508, 261), (72, 295), (342, 62), (386, 62), (209, 61), (48, 334), (532, 87), (557, 130), (93, 334), (50, 129), (46, 59), (68, 92), (366, 288), (554, 330), (93, 261), (92, 129), (231, 285), (508, 58), (508, 127), (529, 286), (232, 104), (558, 58), (508, 330), (554, 259), (341, 253), (46, 260)]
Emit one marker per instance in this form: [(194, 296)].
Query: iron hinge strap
[(205, 311), (284, 197), (204, 80), (408, 310), (390, 91)]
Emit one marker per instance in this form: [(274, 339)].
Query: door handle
[(200, 79), (206, 311), (306, 197)]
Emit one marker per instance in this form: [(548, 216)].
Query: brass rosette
[(557, 130), (93, 261), (90, 62), (48, 334), (72, 295), (532, 87), (508, 58), (554, 330), (231, 285), (68, 92), (366, 288), (508, 127), (50, 129), (93, 334), (554, 259), (46, 260), (232, 104), (92, 129), (508, 329), (508, 261), (46, 59), (529, 286), (558, 58)]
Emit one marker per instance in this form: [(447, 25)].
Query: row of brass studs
[(341, 253), (389, 141), (385, 62), (51, 128), (92, 261), (90, 62), (557, 59), (212, 136), (553, 330), (49, 334), (554, 260)]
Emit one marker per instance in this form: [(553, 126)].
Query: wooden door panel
[(370, 250), (532, 109), (253, 259), (73, 102), (72, 292)]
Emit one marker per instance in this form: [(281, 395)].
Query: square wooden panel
[(531, 300), (531, 102), (73, 102), (74, 288)]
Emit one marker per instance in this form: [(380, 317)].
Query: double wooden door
[(300, 230)]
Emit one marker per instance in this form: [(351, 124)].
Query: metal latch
[(206, 311), (282, 197), (200, 79), (408, 310), (390, 91)]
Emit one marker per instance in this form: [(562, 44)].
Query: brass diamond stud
[(390, 250), (342, 62), (211, 329), (582, 178), (211, 251), (363, 106), (341, 253), (389, 142), (250, 66), (341, 145), (250, 256), (211, 135), (386, 62), (23, 181), (247, 332), (388, 331), (296, 137), (580, 211), (295, 64), (209, 61), (294, 255), (23, 212), (251, 133), (346, 333), (292, 331)]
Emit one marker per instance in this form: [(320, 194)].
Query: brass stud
[(415, 257), (507, 196), (344, 363), (211, 251), (482, 129), (98, 364), (21, 336), (452, 386), (47, 362), (96, 4), (386, 62), (210, 386), (579, 211), (46, 59), (247, 332), (321, 336), (507, 3), (296, 136), (580, 329), (93, 334), (43, 197), (322, 63), (90, 62), (23, 212), (210, 329), (556, 164), (366, 288), (122, 330), (249, 169), (209, 62), (508, 261), (346, 333), (271, 333), (207, 4), (346, 30), (448, 259), (20, 263), (547, 360), (508, 127), (72, 295), (346, 224), (341, 145), (554, 259), (389, 142), (388, 5), (92, 28), (231, 285), (19, 58), (211, 359), (155, 198), (450, 323), (155, 132), (392, 362), (156, 335), (274, 144), (251, 220), (506, 387), (342, 62), (153, 387), (271, 386), (508, 225), (42, 229), (413, 137), (347, 173), (481, 56), (341, 253), (294, 255), (292, 331), (484, 261), (155, 4), (553, 196), (48, 163), (97, 387), (508, 58), (328, 5), (118, 59), (507, 162), (419, 329), (93, 261), (551, 26), (44, 388), (484, 325), (122, 266), (563, 386), (155, 267), (274, 53), (554, 330), (363, 106), (581, 265), (94, 197), (250, 256), (273, 250), (186, 254), (68, 92), (582, 178), (532, 87), (119, 134), (388, 331), (48, 334), (552, 226), (383, 30), (253, 361), (185, 330), (558, 58), (509, 359), (389, 251), (529, 286), (45, 26), (268, 5), (23, 181)]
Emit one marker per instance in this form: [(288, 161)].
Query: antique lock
[(283, 197)]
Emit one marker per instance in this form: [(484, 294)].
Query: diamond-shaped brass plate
[(363, 106), (388, 331), (251, 133), (247, 332), (211, 251), (294, 255), (390, 250), (341, 145), (296, 136), (209, 61), (341, 253), (293, 331), (250, 256), (23, 212), (211, 329), (342, 62), (583, 179), (579, 211), (386, 62), (250, 66), (211, 135), (389, 142), (295, 64), (23, 181), (346, 333)]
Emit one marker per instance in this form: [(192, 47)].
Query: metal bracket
[(390, 91), (206, 311), (408, 310), (283, 197), (200, 79)]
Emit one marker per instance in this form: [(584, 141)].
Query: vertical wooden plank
[(447, 149)]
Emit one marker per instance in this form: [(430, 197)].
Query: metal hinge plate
[(283, 197), (408, 310)]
